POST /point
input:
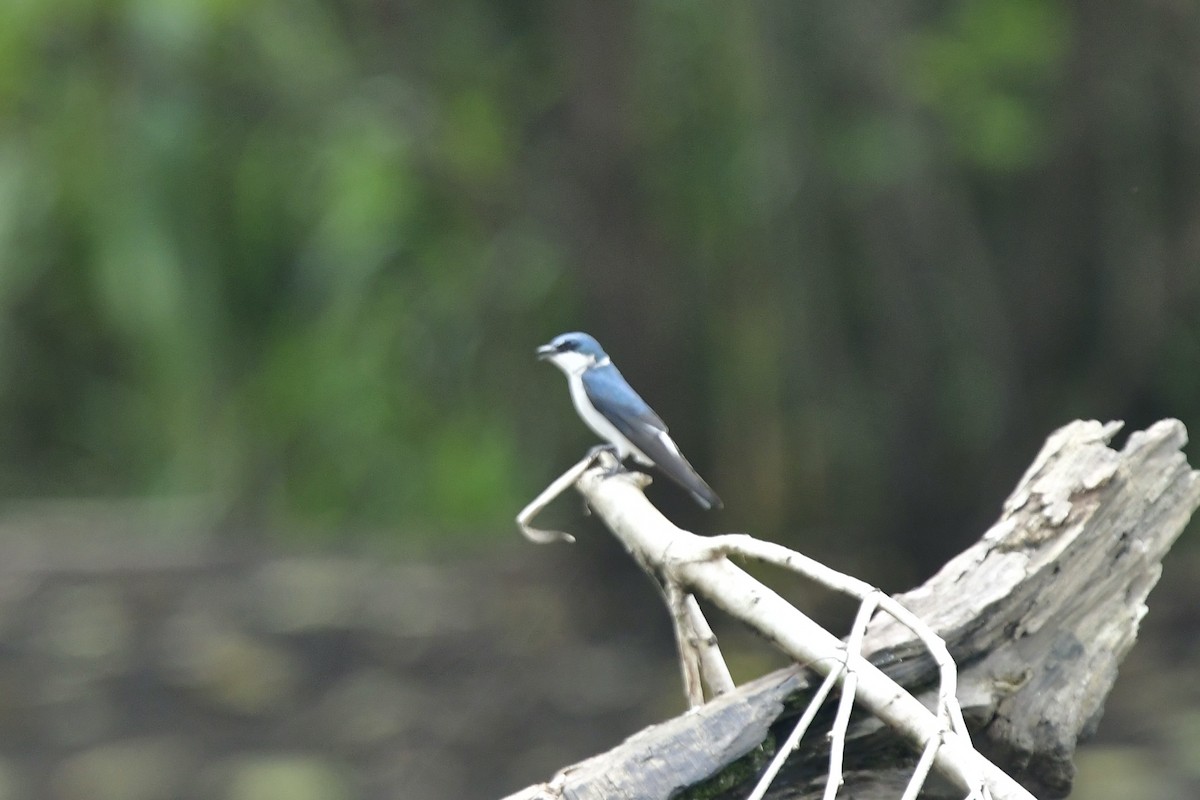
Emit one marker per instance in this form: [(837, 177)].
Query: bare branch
[(548, 495), (677, 555), (1057, 588)]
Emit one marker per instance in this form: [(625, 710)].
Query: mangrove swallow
[(610, 407)]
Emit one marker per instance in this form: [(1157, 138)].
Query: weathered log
[(1038, 615)]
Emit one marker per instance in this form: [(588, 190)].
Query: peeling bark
[(1038, 615)]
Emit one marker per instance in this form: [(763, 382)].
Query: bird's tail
[(704, 495), (666, 456)]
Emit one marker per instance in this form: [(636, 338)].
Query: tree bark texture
[(1038, 615)]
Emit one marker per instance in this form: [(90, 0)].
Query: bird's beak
[(545, 351)]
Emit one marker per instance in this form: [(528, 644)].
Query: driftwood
[(1038, 615)]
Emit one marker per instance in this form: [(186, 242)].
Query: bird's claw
[(606, 447), (612, 450)]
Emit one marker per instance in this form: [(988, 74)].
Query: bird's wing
[(615, 399)]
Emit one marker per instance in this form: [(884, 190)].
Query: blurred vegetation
[(296, 255)]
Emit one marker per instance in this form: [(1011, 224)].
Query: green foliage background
[(295, 256)]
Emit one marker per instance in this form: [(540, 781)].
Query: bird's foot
[(612, 450)]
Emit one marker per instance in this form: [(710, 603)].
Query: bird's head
[(573, 352)]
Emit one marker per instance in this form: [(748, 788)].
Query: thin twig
[(837, 733), (921, 771), (793, 740), (535, 507), (740, 544)]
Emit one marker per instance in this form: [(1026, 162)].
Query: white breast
[(597, 422)]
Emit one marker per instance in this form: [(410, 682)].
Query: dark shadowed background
[(271, 278)]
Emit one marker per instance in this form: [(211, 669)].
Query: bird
[(616, 413)]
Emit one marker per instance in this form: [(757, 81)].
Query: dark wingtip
[(709, 501)]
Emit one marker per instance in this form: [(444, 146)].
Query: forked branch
[(1056, 592)]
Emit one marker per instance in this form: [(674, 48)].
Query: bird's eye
[(569, 344)]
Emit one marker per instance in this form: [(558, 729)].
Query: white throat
[(573, 363)]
